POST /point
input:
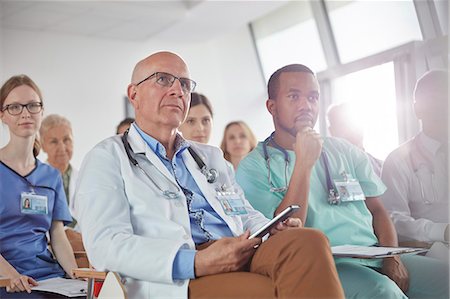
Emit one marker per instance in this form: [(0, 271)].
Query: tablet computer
[(265, 229)]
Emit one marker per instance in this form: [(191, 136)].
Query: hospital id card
[(349, 190), (31, 203), (232, 204)]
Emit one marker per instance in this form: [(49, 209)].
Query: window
[(360, 30), (289, 35), (372, 94)]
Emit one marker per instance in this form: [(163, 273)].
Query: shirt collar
[(156, 146), (430, 144)]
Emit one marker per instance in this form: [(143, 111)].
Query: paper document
[(66, 287), (372, 252)]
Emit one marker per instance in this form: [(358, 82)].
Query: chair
[(78, 249), (112, 287), (4, 282)]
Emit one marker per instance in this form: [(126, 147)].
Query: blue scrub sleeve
[(61, 210), (183, 265)]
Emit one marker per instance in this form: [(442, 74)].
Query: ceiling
[(181, 20)]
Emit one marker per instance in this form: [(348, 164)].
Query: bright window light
[(298, 44), (289, 35), (371, 93), (363, 27)]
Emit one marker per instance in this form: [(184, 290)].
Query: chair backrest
[(112, 287), (78, 249)]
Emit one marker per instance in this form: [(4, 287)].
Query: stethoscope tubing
[(210, 174)]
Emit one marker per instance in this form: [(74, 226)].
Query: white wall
[(85, 79)]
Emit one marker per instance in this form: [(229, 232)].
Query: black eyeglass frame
[(193, 84), (38, 104)]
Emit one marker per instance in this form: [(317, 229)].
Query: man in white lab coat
[(416, 173), (156, 208)]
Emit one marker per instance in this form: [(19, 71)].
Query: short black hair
[(274, 84), (200, 99)]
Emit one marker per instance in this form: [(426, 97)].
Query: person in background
[(124, 125), (150, 212), (24, 256), (342, 124), (57, 142), (238, 140), (198, 124), (416, 173), (294, 165)]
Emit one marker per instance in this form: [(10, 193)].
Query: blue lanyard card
[(232, 203), (349, 190), (31, 203)]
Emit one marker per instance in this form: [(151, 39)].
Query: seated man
[(343, 124), (416, 173), (151, 206), (278, 172)]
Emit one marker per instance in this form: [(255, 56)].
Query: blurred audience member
[(238, 140), (416, 173), (24, 256), (57, 143), (124, 125), (197, 126), (342, 124)]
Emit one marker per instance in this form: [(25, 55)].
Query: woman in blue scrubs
[(32, 199)]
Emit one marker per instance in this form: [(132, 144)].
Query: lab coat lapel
[(140, 148)]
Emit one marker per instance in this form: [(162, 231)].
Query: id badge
[(232, 204), (349, 190), (31, 203)]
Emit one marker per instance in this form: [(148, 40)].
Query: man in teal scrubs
[(334, 183)]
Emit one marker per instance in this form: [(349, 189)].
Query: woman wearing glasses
[(198, 123), (24, 256)]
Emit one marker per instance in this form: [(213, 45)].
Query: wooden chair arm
[(89, 273), (4, 282), (419, 244), (80, 254)]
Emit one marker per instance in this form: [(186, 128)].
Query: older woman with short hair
[(57, 142)]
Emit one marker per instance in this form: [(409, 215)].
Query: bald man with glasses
[(152, 207)]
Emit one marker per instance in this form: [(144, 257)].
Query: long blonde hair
[(8, 86), (251, 137)]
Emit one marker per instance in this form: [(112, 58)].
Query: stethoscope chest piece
[(211, 175), (333, 197)]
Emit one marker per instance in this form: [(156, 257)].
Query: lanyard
[(333, 196)]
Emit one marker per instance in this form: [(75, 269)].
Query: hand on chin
[(301, 124)]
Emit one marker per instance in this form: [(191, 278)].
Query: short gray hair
[(52, 121)]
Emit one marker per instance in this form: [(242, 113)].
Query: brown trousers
[(295, 263)]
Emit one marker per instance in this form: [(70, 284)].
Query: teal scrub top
[(346, 223)]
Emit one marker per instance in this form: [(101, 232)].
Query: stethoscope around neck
[(333, 195), (418, 148), (210, 174)]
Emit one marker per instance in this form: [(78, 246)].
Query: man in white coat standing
[(151, 206)]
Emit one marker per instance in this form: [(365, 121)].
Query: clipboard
[(373, 252)]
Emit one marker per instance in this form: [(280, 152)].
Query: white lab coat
[(128, 225), (416, 178)]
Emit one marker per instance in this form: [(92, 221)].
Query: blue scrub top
[(23, 241)]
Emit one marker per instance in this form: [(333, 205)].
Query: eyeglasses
[(16, 108), (167, 80)]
